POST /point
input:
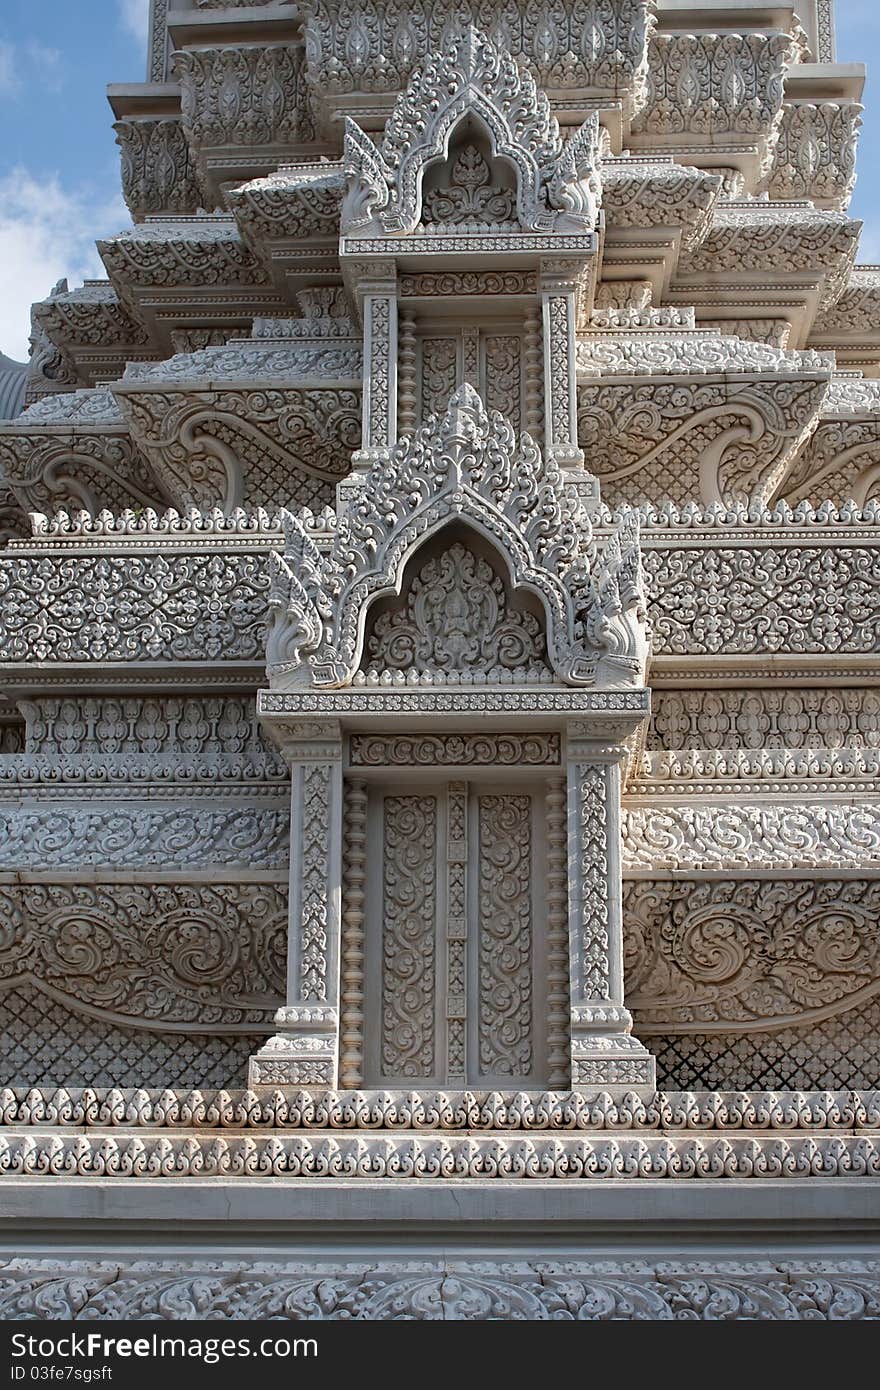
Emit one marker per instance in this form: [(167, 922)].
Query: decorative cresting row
[(558, 186), (709, 1291), (466, 465), (421, 1110), (438, 1156)]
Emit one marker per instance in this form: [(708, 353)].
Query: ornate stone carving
[(558, 986), (203, 956), (506, 1009), (205, 250), (456, 618), (656, 193), (703, 87), (739, 955), (44, 1036), (422, 1110), (131, 738), (457, 932), (590, 979), (815, 154), (228, 447), (828, 718), (843, 1050), (471, 196), (456, 750), (408, 944), (140, 836), (186, 607), (463, 467), (796, 598), (253, 95), (557, 182), (581, 43), (439, 373), (711, 1290), (247, 1157), (157, 171), (313, 924), (351, 1060), (70, 468), (733, 836)]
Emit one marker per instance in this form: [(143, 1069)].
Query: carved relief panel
[(489, 358), (455, 934)]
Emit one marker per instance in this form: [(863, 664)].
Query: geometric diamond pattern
[(838, 1053), (45, 1044)]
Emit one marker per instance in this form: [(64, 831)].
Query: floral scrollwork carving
[(720, 956)]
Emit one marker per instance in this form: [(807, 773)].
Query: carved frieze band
[(731, 835), (733, 955), (207, 957), (455, 750), (795, 718), (713, 1290), (138, 835)]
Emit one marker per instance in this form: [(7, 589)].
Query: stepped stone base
[(316, 1204)]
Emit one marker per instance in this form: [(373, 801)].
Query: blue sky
[(59, 166)]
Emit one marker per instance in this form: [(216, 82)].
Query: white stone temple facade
[(441, 680)]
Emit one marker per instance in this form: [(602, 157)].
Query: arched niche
[(456, 618), (469, 183)]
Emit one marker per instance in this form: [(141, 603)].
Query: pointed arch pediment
[(558, 183), (466, 466)]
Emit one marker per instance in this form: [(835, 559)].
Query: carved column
[(305, 1050), (604, 1055), (378, 298), (558, 285)]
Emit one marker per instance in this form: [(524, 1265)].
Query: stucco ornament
[(558, 186), (468, 466)]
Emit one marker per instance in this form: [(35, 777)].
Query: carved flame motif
[(457, 618)]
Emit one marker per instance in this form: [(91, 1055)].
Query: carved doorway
[(455, 982)]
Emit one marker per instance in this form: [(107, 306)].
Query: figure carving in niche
[(456, 618), (470, 185)]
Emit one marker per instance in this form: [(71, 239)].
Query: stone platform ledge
[(435, 1111), (457, 1290), (143, 1153)]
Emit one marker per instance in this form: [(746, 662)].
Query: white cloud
[(47, 232), (134, 16), (22, 65)]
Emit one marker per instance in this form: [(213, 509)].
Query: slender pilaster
[(351, 1066), (604, 1055), (558, 307), (558, 1007), (305, 1051), (379, 304)]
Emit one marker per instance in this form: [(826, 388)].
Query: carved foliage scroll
[(408, 946), (734, 955), (505, 952)]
